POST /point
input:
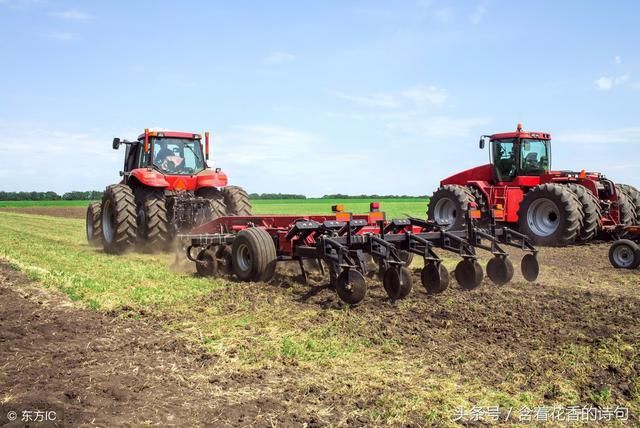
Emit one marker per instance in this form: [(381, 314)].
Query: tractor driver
[(168, 160), (163, 153)]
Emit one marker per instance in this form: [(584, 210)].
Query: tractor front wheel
[(94, 224), (448, 206), (154, 229), (550, 214), (119, 228), (591, 211), (627, 197)]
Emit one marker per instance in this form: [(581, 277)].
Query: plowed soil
[(68, 212)]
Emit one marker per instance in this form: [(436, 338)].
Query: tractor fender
[(209, 178), (149, 177)]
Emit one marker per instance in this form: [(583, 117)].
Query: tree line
[(92, 195), (51, 196)]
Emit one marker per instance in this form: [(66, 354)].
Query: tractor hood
[(478, 173)]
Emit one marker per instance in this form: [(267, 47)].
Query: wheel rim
[(543, 217), (623, 256), (243, 257), (107, 217), (445, 211)]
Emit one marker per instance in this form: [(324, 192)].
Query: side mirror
[(481, 143), (121, 173), (116, 143)]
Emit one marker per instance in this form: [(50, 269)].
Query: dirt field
[(284, 354), (68, 212)]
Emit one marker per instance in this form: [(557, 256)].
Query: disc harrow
[(342, 243)]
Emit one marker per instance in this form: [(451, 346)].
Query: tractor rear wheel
[(254, 255), (448, 206), (591, 210), (550, 214), (630, 213), (236, 200), (154, 229), (119, 227), (217, 207), (94, 224)]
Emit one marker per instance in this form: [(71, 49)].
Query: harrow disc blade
[(435, 278), (397, 283), (469, 274), (530, 267), (351, 286), (500, 270), (225, 260), (208, 264)]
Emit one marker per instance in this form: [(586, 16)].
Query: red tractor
[(166, 187), (518, 187)]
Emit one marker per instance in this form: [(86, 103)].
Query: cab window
[(534, 157), (504, 159)]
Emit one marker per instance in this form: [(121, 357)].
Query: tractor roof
[(171, 134), (520, 133)]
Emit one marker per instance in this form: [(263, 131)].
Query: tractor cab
[(171, 153), (518, 154)]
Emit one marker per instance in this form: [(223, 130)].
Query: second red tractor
[(166, 187), (518, 187)]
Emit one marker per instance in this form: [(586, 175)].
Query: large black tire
[(154, 229), (626, 206), (483, 205), (237, 201), (591, 210), (254, 255), (448, 206), (119, 227), (633, 195), (217, 207), (94, 224), (550, 215)]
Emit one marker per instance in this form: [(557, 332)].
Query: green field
[(393, 207)]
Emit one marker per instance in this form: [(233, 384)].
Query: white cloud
[(279, 57), (62, 35), (415, 96), (438, 127), (629, 135), (617, 60), (59, 160), (72, 15), (606, 83)]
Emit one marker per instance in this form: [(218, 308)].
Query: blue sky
[(315, 97)]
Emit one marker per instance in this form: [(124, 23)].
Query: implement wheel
[(236, 200), (469, 274), (208, 265), (530, 267), (351, 286), (119, 227), (254, 255), (500, 270), (624, 254), (397, 283), (94, 224), (435, 277)]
